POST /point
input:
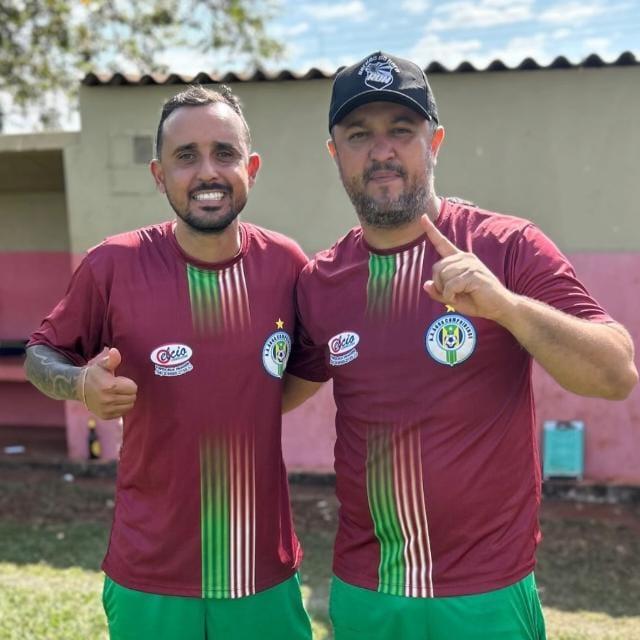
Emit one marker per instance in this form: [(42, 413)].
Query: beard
[(386, 212), (205, 224)]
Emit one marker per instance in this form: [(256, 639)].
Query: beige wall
[(556, 146), (33, 210), (33, 222)]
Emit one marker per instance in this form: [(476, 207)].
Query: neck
[(209, 247), (397, 236)]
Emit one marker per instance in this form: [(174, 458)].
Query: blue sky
[(327, 34)]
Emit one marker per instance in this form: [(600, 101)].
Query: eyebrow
[(398, 119), (218, 146)]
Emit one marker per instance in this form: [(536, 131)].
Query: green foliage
[(46, 46)]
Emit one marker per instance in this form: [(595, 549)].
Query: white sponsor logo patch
[(342, 348), (172, 360)]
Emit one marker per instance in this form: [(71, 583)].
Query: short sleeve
[(76, 326), (540, 271), (307, 359)]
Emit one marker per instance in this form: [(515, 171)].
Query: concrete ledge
[(51, 141), (585, 491), (566, 490), (12, 369)]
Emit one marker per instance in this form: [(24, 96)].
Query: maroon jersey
[(436, 458), (202, 505)]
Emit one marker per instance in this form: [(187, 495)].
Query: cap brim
[(378, 95)]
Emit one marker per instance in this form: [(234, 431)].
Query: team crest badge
[(276, 351), (450, 339), (378, 72)]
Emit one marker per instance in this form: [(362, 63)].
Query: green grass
[(53, 535)]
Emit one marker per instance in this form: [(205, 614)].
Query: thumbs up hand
[(104, 393), (461, 280)]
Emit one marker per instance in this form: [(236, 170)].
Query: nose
[(208, 169), (381, 149)]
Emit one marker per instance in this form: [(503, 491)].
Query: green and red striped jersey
[(202, 505), (436, 459)]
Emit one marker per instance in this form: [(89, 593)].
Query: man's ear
[(331, 148), (253, 167), (158, 174), (436, 140)]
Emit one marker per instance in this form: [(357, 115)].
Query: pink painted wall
[(612, 428), (22, 405), (612, 452), (31, 283), (109, 433)]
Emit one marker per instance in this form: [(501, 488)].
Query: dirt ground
[(588, 563)]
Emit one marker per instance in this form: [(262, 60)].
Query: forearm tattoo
[(52, 373)]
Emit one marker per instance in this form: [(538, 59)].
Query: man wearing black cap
[(427, 318)]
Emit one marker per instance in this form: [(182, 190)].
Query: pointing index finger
[(441, 244)]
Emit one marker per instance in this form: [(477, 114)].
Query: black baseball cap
[(385, 78)]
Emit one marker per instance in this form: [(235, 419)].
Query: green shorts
[(512, 613), (273, 614)]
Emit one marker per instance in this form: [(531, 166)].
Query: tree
[(46, 46)]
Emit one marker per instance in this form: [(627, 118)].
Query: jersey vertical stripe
[(228, 538), (379, 285), (214, 521), (219, 299), (394, 285), (407, 287), (397, 506)]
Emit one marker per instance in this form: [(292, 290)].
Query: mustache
[(383, 166), (210, 186)]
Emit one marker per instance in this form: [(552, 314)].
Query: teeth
[(209, 195)]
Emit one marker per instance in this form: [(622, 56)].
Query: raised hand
[(463, 281), (105, 394)]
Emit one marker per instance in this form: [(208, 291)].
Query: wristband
[(85, 370)]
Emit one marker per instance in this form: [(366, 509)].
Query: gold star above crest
[(450, 309), (280, 323)]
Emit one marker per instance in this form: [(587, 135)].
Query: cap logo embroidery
[(378, 72)]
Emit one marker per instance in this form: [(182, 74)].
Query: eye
[(401, 131), (357, 135), (226, 155), (186, 156)]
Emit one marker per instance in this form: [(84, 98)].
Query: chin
[(207, 225)]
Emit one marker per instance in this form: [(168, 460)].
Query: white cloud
[(572, 12), (561, 34), (354, 10), (432, 48), (296, 29), (601, 46), (415, 7), (283, 31), (517, 49), (464, 14)]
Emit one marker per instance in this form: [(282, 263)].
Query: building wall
[(35, 266), (556, 146), (545, 145)]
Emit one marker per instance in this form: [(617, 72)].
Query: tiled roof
[(528, 64)]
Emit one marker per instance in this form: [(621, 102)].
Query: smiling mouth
[(208, 196)]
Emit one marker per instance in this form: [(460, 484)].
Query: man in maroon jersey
[(436, 460), (184, 328)]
